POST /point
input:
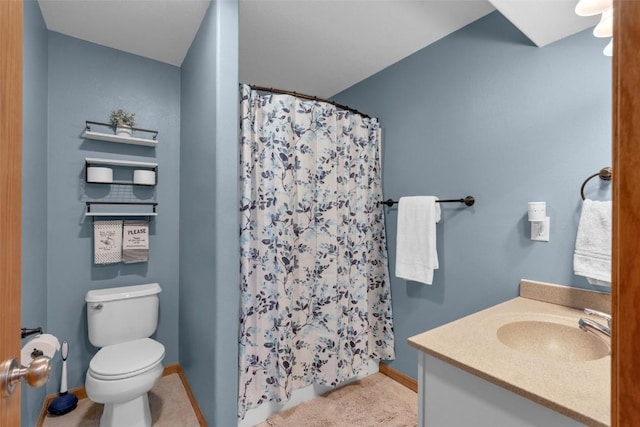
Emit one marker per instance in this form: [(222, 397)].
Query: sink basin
[(552, 340)]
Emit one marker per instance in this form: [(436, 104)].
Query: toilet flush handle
[(97, 307)]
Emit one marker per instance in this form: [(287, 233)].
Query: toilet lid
[(126, 359)]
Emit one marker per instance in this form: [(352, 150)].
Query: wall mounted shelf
[(92, 161), (113, 162), (153, 212), (111, 137)]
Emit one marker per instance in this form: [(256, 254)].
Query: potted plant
[(122, 121)]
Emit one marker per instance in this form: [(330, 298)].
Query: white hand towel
[(416, 255), (592, 257), (107, 237)]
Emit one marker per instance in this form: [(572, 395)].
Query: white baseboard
[(261, 413)]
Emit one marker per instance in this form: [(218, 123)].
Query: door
[(625, 295), (10, 193)]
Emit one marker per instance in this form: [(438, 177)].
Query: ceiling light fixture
[(592, 7), (608, 51), (605, 26)]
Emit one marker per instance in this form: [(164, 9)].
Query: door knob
[(36, 374)]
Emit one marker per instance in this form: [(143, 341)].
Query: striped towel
[(135, 241)]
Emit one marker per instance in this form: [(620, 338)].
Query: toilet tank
[(122, 314)]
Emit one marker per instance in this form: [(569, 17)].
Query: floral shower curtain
[(316, 300)]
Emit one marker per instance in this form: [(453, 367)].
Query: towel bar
[(469, 201)]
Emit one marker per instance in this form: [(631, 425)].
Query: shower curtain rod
[(309, 97)]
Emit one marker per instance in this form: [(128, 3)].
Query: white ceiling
[(158, 29), (318, 47), (323, 47), (544, 21)]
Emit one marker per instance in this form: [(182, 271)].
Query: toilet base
[(133, 413)]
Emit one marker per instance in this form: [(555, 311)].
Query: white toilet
[(128, 364)]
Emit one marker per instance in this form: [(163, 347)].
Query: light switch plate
[(540, 230)]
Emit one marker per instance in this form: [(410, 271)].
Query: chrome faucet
[(591, 325)]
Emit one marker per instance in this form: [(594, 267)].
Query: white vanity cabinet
[(451, 397)]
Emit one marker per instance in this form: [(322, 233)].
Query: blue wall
[(209, 254), (34, 188), (68, 81), (482, 112), (87, 81)]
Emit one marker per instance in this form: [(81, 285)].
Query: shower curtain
[(316, 300)]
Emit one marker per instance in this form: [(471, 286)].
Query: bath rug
[(376, 400)]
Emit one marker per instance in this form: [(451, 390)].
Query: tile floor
[(168, 400)]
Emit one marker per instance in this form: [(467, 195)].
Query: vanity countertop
[(580, 390)]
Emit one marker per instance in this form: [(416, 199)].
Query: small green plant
[(121, 118)]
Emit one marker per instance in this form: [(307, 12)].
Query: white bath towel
[(416, 255), (592, 257)]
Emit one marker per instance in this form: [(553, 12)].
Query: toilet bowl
[(120, 376), (129, 363)]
